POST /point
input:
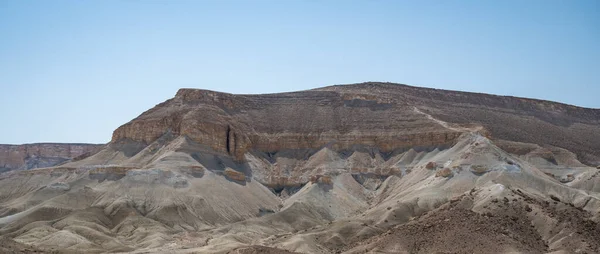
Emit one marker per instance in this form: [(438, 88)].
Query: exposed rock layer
[(29, 156), (382, 115)]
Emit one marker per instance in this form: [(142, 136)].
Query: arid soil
[(372, 167), (259, 249), (455, 228), (9, 246)]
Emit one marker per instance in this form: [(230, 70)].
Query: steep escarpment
[(505, 117), (29, 156), (238, 124), (380, 115)]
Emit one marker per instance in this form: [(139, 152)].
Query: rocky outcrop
[(237, 124), (445, 172), (431, 165), (29, 156), (110, 173), (234, 175), (381, 115), (479, 169), (321, 179)]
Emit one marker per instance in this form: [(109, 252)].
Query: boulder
[(479, 169), (234, 175), (568, 178), (326, 180), (445, 172), (431, 165), (321, 179)]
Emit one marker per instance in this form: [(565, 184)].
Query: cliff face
[(29, 156), (237, 124), (381, 115)]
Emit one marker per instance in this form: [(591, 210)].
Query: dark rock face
[(30, 156), (381, 115)]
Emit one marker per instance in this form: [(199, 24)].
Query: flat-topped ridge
[(376, 114)]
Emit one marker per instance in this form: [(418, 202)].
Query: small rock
[(479, 169), (234, 175), (431, 165), (446, 172)]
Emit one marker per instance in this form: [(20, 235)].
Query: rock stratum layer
[(371, 167), (42, 155), (381, 115)]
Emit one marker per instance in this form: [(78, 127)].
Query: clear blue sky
[(73, 71)]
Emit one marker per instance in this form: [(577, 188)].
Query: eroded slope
[(339, 169)]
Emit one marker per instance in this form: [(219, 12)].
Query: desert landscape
[(359, 168)]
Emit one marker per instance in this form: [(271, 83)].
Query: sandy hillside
[(355, 169)]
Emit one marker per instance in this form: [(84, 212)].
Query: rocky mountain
[(42, 155), (376, 167), (381, 118), (381, 115)]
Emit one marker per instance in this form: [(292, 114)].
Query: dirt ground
[(454, 228), (259, 249), (9, 246)]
